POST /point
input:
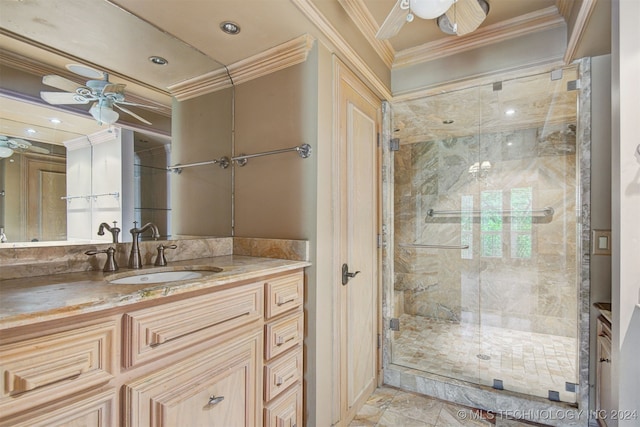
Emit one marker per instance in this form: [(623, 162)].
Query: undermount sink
[(163, 276)]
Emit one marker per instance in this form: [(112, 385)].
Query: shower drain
[(483, 356)]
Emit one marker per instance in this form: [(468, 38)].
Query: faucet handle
[(161, 260), (110, 265)]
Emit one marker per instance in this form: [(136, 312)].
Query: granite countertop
[(42, 298)]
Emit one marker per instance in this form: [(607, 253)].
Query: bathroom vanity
[(223, 349)]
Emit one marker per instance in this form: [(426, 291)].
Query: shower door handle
[(346, 275)]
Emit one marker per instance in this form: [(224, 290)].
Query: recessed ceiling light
[(230, 27), (55, 121), (510, 112), (158, 60)]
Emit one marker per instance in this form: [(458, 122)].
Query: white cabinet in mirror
[(57, 186)]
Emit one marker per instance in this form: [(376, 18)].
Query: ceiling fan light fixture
[(430, 9), (103, 114), (5, 152)]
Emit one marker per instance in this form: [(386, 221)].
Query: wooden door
[(358, 120), (46, 183)]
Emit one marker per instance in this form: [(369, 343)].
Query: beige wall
[(285, 196), (201, 195), (271, 113)]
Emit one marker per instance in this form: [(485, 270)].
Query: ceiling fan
[(458, 17), (104, 94), (8, 145)]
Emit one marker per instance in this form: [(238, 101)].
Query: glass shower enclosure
[(486, 235)]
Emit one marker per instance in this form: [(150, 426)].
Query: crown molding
[(33, 67), (340, 44), (200, 85), (105, 135), (359, 13), (564, 8), (269, 61), (544, 19), (579, 27)]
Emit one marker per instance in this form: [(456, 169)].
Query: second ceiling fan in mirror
[(99, 90), (457, 17)]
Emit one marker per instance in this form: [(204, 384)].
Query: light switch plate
[(601, 242)]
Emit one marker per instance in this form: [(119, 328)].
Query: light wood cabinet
[(604, 404), (215, 388), (56, 365), (229, 356), (283, 355)]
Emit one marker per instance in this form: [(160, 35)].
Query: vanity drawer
[(88, 410), (283, 334), (156, 331), (284, 294), (42, 369), (286, 410), (282, 373)]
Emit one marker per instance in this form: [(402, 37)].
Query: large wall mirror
[(35, 167)]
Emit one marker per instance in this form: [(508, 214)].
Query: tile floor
[(391, 407), (525, 362)]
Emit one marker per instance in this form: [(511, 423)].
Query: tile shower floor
[(525, 362), (391, 407)]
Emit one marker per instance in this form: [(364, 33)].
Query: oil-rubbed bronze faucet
[(135, 260), (110, 264), (161, 259), (113, 230)]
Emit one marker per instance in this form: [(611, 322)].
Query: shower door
[(486, 235)]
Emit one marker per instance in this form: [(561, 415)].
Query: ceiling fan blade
[(113, 88), (133, 104), (131, 113), (63, 98), (467, 15), (39, 150), (393, 22), (60, 83)]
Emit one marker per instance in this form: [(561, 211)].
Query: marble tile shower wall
[(535, 291)]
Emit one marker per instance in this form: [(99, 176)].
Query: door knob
[(346, 275)]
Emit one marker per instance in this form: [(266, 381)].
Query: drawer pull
[(161, 336), (280, 380), (602, 359), (283, 301), (213, 400), (281, 341)]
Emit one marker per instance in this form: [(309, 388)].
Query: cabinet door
[(213, 388)]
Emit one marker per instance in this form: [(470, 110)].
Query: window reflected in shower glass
[(521, 222), (491, 223), (466, 226)]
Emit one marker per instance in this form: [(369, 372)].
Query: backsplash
[(40, 261)]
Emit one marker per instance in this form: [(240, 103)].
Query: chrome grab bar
[(222, 161), (548, 211), (303, 150)]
